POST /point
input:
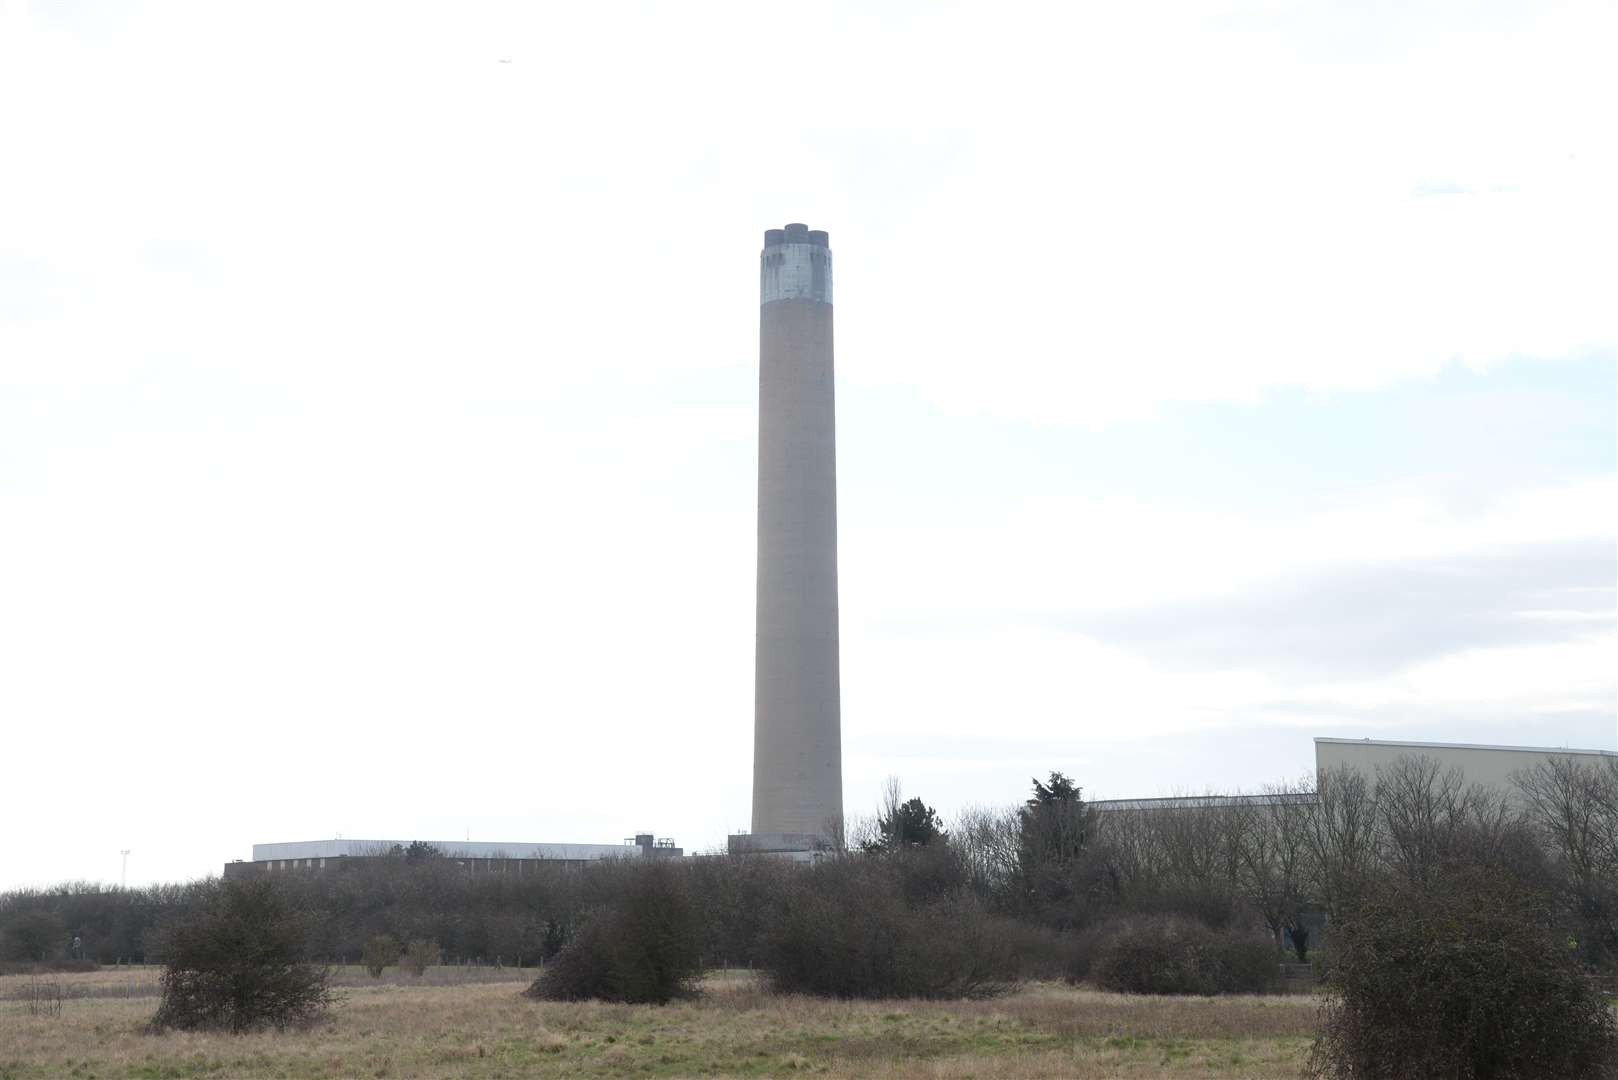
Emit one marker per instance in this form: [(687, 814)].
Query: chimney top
[(797, 233)]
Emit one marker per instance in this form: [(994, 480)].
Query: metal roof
[(1466, 746), (1198, 801)]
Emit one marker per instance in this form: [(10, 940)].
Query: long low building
[(461, 849), (473, 855)]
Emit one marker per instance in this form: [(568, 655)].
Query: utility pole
[(123, 875)]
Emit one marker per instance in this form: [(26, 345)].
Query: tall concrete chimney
[(797, 716)]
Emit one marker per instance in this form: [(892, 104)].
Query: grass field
[(456, 1022)]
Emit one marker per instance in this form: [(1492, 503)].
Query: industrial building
[(1491, 766), (474, 856), (797, 722), (1479, 763)]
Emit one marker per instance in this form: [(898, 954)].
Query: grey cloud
[(1374, 620)]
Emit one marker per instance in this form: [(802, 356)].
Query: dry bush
[(35, 935), (842, 929), (1038, 952), (1460, 977), (953, 948), (237, 963), (1078, 950), (644, 945), (1171, 955), (380, 953), (44, 997), (735, 894), (419, 956), (929, 873)]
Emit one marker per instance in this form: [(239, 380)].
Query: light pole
[(123, 875)]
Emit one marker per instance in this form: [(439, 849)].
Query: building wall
[(331, 849), (1491, 765), (319, 865)]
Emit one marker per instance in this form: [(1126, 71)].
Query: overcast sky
[(378, 391)]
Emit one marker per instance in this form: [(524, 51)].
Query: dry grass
[(141, 981), (734, 1029)]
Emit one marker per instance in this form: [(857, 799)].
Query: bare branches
[(1573, 806), (1340, 836)]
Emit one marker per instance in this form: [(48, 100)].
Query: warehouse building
[(1478, 763), (1491, 766)]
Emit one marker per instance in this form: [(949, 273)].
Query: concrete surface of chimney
[(797, 716)]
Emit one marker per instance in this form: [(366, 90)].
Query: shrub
[(33, 935), (736, 894), (44, 998), (953, 949), (1171, 955), (380, 952), (237, 963), (419, 956), (1036, 952), (1460, 976), (931, 873), (553, 940), (644, 945), (1077, 949), (843, 930)]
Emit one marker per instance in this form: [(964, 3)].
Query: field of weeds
[(447, 1024)]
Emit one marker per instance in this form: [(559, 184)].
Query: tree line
[(1287, 859), (1295, 855)]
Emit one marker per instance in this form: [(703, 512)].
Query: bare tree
[(1574, 808), (1276, 866), (1422, 812), (1341, 837), (862, 832), (892, 798), (835, 830), (989, 840), (1197, 846)]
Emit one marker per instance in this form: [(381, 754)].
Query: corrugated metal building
[(1479, 763)]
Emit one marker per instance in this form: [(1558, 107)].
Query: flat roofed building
[(1479, 763), (1492, 766), (479, 849), (475, 856)]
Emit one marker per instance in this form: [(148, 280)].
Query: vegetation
[(1165, 954), (734, 1027), (846, 930), (1454, 973), (381, 952), (1574, 812), (237, 963), (643, 946), (1191, 897), (419, 956), (35, 935)]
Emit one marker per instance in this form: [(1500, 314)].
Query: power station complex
[(797, 721)]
